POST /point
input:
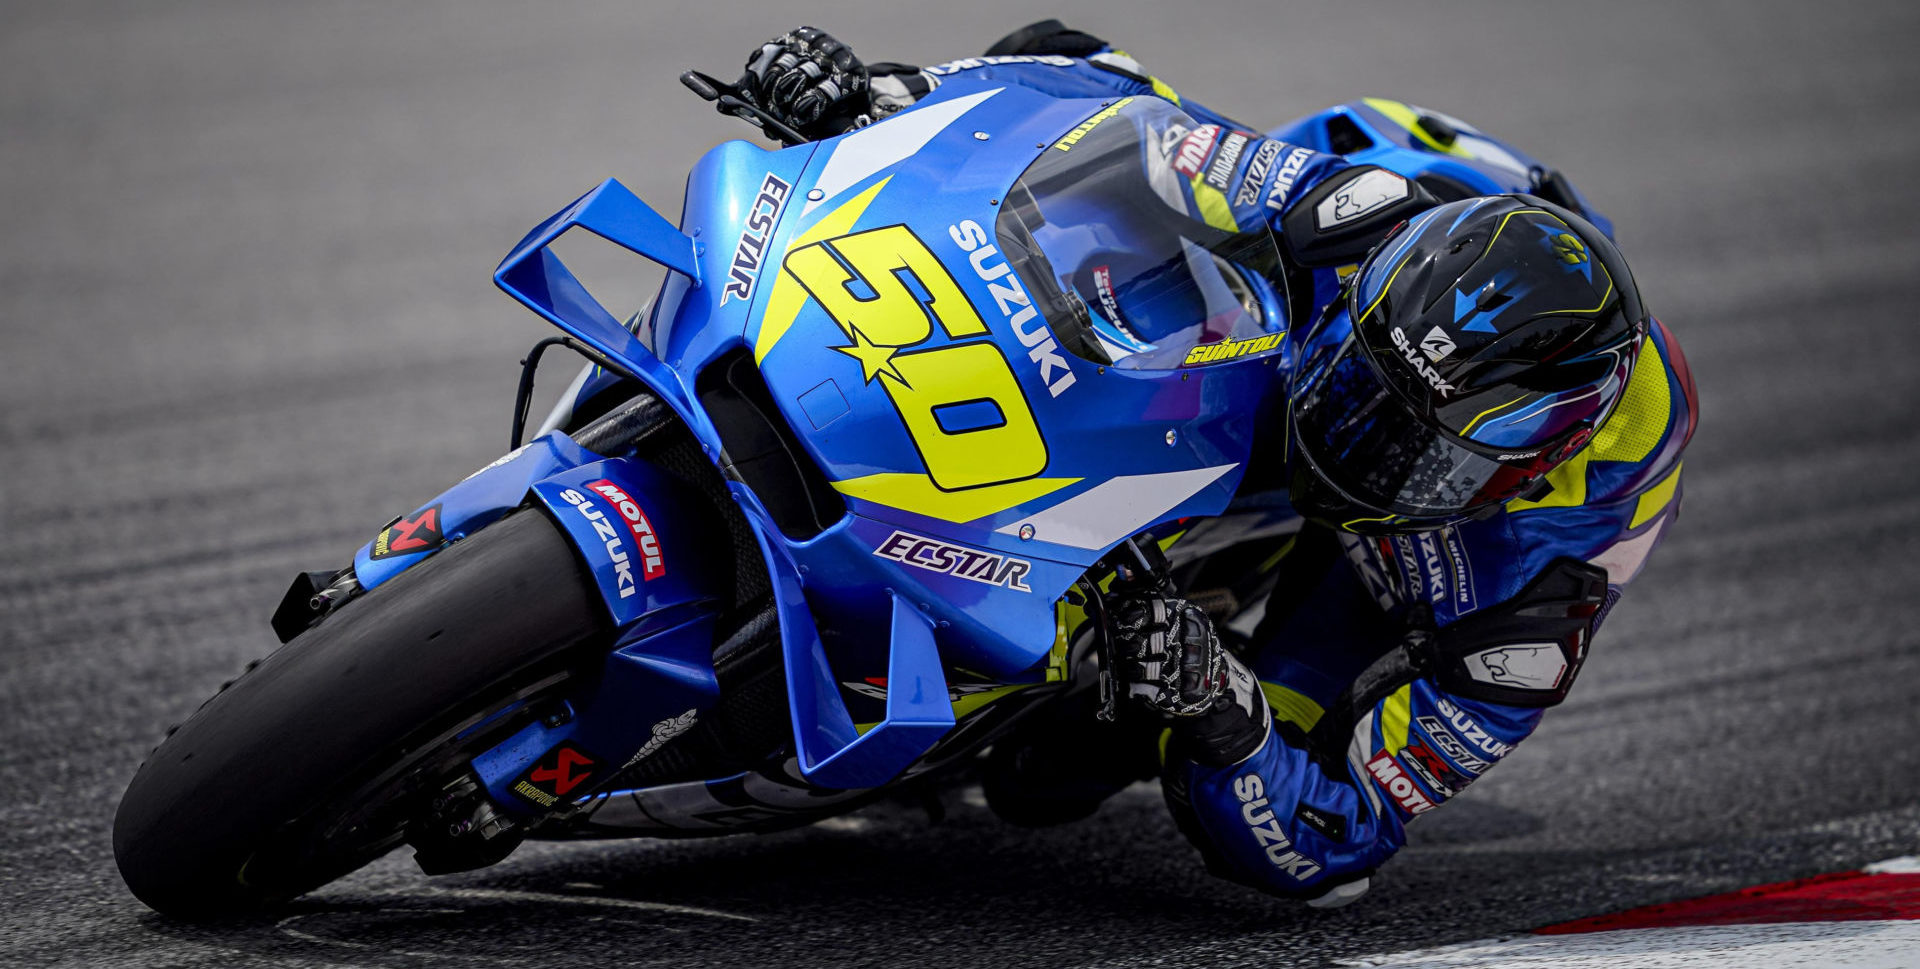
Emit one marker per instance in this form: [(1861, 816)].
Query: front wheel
[(311, 764)]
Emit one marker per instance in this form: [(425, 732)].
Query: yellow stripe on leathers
[(1655, 499), (1396, 712), (789, 297), (1292, 706)]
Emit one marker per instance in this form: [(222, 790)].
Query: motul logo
[(1395, 781), (1195, 149), (652, 565)]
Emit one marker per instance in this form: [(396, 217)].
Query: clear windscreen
[(1134, 262)]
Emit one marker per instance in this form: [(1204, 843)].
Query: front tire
[(309, 764)]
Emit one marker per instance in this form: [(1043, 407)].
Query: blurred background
[(246, 316)]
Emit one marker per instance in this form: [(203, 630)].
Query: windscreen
[(1132, 253)]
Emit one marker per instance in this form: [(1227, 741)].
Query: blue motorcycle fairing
[(475, 502), (1118, 451), (645, 536), (652, 688)]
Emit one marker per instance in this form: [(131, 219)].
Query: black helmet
[(1478, 347)]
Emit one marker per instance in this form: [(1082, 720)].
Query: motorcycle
[(832, 514)]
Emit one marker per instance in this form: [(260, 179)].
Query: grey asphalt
[(246, 316)]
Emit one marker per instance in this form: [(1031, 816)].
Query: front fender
[(651, 541)]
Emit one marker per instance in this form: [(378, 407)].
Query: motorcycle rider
[(1483, 436)]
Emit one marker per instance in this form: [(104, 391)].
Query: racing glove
[(1171, 663), (808, 80)]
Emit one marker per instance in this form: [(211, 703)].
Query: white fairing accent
[(1116, 508), (873, 148), (1623, 560), (1524, 666)]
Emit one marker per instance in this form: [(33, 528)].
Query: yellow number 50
[(960, 402)]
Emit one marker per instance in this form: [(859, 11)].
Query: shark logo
[(1436, 344)]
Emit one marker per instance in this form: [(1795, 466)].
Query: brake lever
[(727, 100)]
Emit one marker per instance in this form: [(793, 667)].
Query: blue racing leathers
[(1391, 672), (1398, 670)]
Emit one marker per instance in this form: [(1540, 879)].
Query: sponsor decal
[(1195, 149), (1220, 173), (1403, 555), (1433, 571), (1231, 349), (973, 565), (1283, 181), (1471, 729), (557, 773), (1014, 304), (1071, 138), (1387, 773), (1259, 818), (1326, 822), (751, 248), (1370, 192), (418, 532), (663, 731), (1103, 286), (1436, 344), (970, 63), (608, 534), (1421, 366), (1464, 600), (1257, 169), (1463, 759), (1568, 248), (1526, 666), (652, 565), (1439, 775)]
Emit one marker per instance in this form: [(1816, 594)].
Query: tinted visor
[(1363, 440)]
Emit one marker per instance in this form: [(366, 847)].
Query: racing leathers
[(1389, 672)]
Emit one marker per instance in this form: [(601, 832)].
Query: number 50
[(961, 403)]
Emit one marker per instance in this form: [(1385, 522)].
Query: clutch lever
[(727, 100)]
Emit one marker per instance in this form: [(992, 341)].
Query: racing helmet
[(1478, 347)]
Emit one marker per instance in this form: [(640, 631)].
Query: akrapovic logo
[(1258, 815), (1420, 364)]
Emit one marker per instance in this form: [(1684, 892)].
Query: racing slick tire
[(312, 762)]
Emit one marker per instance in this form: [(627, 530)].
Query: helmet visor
[(1363, 440)]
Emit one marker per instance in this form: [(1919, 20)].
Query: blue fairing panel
[(647, 538), (465, 508)]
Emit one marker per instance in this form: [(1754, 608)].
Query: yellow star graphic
[(874, 360)]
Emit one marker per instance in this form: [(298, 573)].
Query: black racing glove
[(1168, 659), (808, 80)]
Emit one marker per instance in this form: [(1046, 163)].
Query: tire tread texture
[(340, 702)]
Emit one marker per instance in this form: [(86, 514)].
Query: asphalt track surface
[(245, 317)]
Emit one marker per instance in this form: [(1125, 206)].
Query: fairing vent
[(761, 451)]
